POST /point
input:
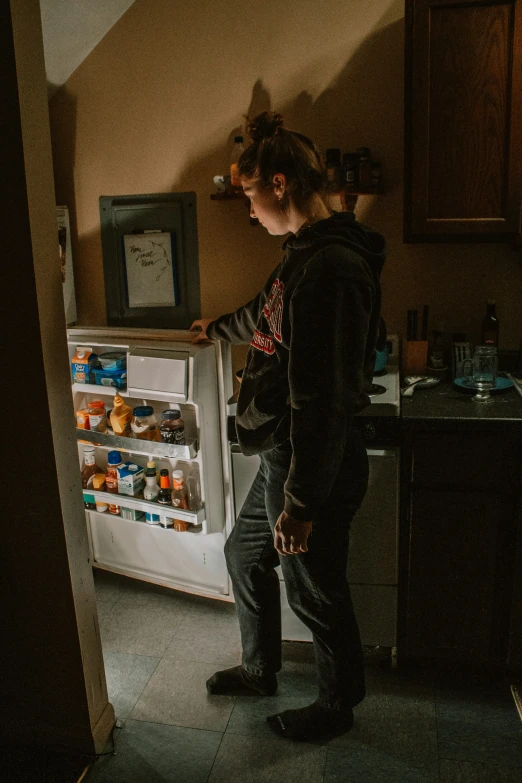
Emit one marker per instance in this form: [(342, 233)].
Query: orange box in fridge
[(82, 420), (82, 363)]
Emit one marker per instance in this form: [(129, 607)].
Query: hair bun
[(264, 126)]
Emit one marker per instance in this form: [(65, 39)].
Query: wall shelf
[(347, 197), (228, 195)]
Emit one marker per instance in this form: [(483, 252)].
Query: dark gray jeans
[(316, 584)]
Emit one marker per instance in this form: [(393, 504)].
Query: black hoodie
[(312, 332)]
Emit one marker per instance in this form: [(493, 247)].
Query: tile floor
[(160, 646)]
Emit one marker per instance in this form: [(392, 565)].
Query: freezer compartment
[(153, 371), (159, 555)]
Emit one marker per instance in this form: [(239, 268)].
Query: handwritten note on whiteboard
[(150, 266)]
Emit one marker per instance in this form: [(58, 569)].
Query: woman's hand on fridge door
[(202, 325), (291, 535)]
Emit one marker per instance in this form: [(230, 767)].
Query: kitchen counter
[(445, 402)]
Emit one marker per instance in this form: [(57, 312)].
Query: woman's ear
[(279, 183)]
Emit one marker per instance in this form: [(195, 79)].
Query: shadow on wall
[(363, 105), (235, 258)]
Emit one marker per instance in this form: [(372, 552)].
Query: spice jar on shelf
[(365, 167), (237, 151), (350, 170), (333, 168)]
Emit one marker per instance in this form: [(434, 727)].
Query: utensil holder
[(414, 357)]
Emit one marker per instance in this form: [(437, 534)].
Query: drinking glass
[(482, 374)]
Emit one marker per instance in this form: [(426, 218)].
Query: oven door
[(373, 556)]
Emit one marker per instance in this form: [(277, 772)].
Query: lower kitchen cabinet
[(461, 546)]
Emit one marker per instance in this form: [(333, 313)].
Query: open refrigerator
[(164, 369)]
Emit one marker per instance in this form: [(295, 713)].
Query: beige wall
[(156, 104)]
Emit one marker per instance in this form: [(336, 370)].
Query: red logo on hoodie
[(263, 343), (273, 309)]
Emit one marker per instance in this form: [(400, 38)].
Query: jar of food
[(144, 423), (97, 418), (172, 428)]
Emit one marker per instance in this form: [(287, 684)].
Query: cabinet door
[(515, 628), (451, 589), (463, 129)]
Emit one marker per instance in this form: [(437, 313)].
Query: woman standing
[(312, 333)]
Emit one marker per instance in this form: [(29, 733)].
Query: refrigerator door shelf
[(92, 388), (137, 446), (195, 517)]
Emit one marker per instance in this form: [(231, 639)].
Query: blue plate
[(501, 385)]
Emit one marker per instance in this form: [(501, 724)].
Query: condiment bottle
[(179, 498), (151, 492), (193, 492), (98, 483), (90, 468), (164, 496), (121, 416), (114, 461), (97, 418), (490, 325), (237, 151), (172, 428)]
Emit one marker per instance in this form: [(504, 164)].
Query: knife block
[(414, 357)]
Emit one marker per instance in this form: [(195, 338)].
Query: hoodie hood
[(342, 228)]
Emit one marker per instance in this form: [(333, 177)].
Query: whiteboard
[(150, 266)]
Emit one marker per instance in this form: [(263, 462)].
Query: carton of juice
[(83, 363), (130, 479)]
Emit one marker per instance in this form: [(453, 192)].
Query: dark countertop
[(444, 402)]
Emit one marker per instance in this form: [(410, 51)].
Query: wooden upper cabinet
[(463, 120)]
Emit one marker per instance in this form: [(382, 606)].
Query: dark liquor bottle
[(490, 325)]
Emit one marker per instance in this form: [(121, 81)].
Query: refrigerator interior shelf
[(93, 388), (124, 501), (137, 446)]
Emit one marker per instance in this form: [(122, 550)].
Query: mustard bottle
[(121, 416)]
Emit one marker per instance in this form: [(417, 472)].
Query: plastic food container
[(116, 378), (113, 360), (144, 425)]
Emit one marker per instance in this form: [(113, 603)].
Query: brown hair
[(276, 150)]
